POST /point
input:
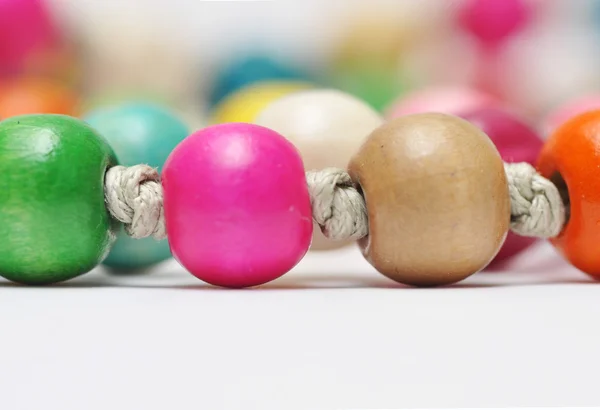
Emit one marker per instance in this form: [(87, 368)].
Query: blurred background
[(70, 56)]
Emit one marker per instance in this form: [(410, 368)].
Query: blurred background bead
[(494, 24), (366, 58), (37, 95), (492, 21), (34, 42), (250, 69), (369, 56), (372, 36), (140, 133), (436, 196), (545, 68), (443, 58), (327, 127), (189, 112), (244, 104), (568, 110), (55, 215), (517, 142), (26, 30), (111, 98), (147, 59), (377, 85), (447, 100), (383, 34), (236, 204)]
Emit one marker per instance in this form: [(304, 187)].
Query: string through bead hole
[(558, 180), (359, 189)]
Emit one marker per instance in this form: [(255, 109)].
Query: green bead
[(377, 85), (53, 221)]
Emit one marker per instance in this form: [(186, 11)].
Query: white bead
[(327, 127)]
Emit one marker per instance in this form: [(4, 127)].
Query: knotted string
[(134, 196)]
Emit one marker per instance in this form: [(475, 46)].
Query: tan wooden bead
[(437, 199)]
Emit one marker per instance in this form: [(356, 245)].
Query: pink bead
[(492, 21), (236, 205), (517, 142), (26, 27), (569, 110), (447, 100)]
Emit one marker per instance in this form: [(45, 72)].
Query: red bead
[(517, 142)]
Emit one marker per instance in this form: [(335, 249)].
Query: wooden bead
[(571, 159), (327, 127), (236, 203), (52, 213), (437, 199)]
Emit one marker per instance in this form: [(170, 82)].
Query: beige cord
[(134, 196)]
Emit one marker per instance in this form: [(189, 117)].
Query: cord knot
[(337, 206), (134, 196), (536, 206)]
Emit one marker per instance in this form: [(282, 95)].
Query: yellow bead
[(245, 104)]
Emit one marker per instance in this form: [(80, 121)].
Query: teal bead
[(130, 254), (54, 223), (248, 69), (140, 133)]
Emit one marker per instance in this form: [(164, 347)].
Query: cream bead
[(327, 127)]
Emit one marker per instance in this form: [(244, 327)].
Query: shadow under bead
[(436, 196)]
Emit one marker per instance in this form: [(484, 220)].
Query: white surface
[(331, 334)]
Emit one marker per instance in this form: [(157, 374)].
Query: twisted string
[(337, 206), (536, 207), (134, 196)]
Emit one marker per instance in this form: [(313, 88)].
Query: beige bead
[(327, 127), (437, 199)]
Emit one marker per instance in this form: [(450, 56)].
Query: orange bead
[(61, 64), (32, 95), (571, 159)]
